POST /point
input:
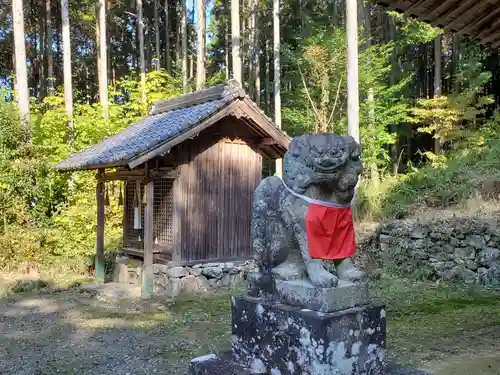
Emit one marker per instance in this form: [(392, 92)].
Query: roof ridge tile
[(226, 91)]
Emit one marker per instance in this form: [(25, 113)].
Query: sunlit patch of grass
[(17, 284), (204, 321), (141, 321), (427, 320)]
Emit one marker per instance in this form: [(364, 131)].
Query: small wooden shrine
[(189, 169)]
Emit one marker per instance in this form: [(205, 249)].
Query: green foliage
[(413, 31), (318, 99), (58, 225), (456, 116), (41, 222), (438, 118), (448, 184), (159, 85), (77, 220)]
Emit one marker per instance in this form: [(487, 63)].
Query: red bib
[(329, 227), (330, 232)]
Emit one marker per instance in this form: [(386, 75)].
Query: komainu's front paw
[(319, 276), (348, 272)]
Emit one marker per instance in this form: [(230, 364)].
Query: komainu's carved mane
[(303, 160)]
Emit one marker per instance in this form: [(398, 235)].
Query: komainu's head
[(326, 162)]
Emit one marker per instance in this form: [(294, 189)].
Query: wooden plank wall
[(213, 198)]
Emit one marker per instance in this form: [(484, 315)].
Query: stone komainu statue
[(305, 218)]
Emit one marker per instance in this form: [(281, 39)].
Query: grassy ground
[(430, 325), (68, 332)]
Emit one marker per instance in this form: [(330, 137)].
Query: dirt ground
[(76, 333), (79, 333)]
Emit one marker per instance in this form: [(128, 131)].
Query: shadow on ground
[(442, 329), (75, 332)]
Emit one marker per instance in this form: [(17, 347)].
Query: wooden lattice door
[(162, 215)]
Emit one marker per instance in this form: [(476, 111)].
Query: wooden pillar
[(147, 272), (99, 253), (125, 214), (352, 69)]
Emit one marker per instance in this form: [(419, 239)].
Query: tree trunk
[(252, 50), (157, 36), (147, 47), (335, 14), (236, 40), (41, 56), (87, 86), (246, 44), (191, 56), (142, 68), (268, 77), (109, 51), (184, 46), (226, 49), (200, 58), (68, 86), (50, 58), (352, 70), (392, 81), (437, 84), (256, 50), (374, 175), (21, 86), (98, 43), (103, 58), (58, 62), (168, 56), (277, 75), (437, 67), (178, 45), (33, 59), (425, 67), (455, 84)]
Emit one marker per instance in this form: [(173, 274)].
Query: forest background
[(428, 102)]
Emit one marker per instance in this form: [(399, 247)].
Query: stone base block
[(274, 338), (303, 293), (170, 280), (223, 365), (212, 364)]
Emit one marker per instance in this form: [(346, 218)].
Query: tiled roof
[(170, 119)]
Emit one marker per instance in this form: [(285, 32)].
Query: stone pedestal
[(282, 339), (270, 337), (277, 338), (212, 364), (302, 293), (221, 365)]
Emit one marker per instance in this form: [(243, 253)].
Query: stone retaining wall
[(174, 280), (458, 249)]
